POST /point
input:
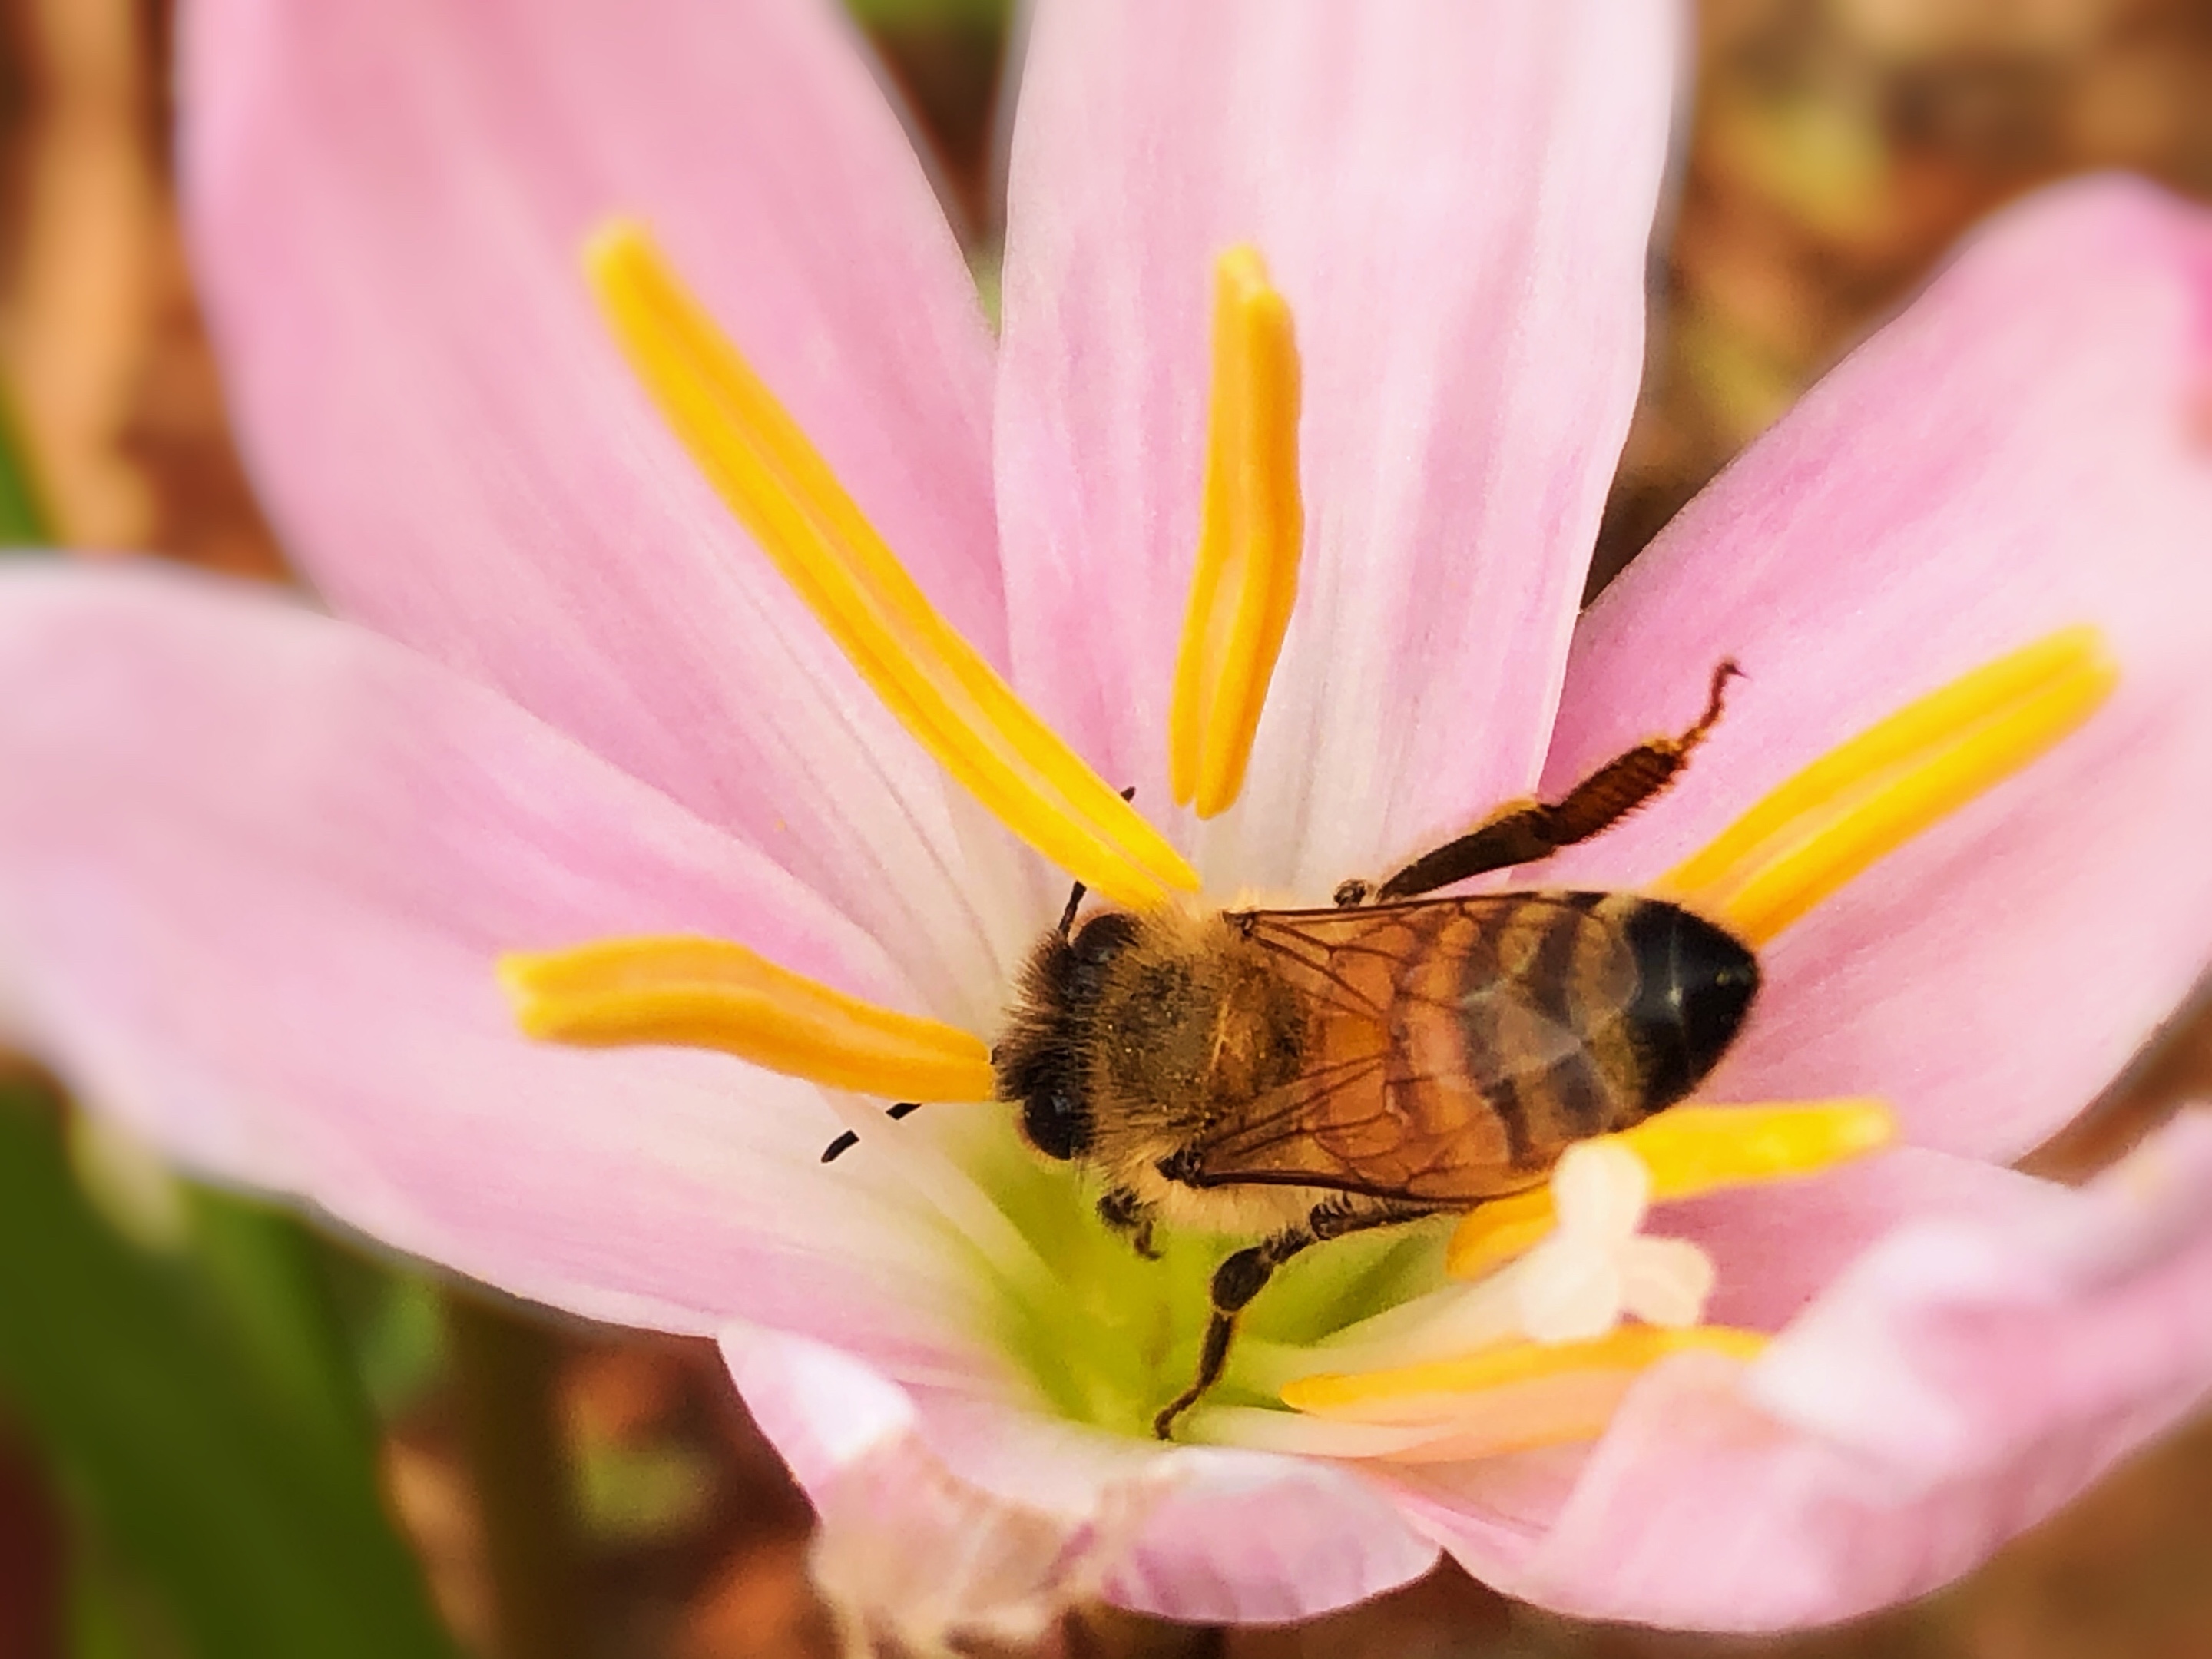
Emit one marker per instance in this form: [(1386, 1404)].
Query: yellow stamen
[(1251, 527), (1446, 1391), (708, 994), (1832, 820), (1688, 1149), (782, 490)]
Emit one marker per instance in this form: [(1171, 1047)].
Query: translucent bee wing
[(1453, 1047)]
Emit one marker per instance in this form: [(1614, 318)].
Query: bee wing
[(1435, 1030)]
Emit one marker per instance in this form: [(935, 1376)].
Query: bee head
[(1041, 1062)]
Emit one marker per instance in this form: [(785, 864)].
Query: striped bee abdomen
[(1450, 1050), (1583, 1013)]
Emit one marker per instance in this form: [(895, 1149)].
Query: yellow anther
[(1831, 821), (782, 490), (1512, 1398), (1251, 527), (1689, 1150), (708, 994)]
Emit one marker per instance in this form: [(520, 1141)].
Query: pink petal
[(387, 204), (1958, 1384), (1777, 1247), (2026, 447), (256, 868), (1455, 201), (1198, 1534)]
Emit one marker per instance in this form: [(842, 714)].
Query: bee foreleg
[(1131, 1217), (1523, 831), (1235, 1282)]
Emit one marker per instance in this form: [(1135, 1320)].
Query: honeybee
[(1301, 1075)]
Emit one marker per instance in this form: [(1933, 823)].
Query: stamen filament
[(1829, 822), (1251, 529), (709, 994), (1688, 1149), (782, 490), (1452, 1391)]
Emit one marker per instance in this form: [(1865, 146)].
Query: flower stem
[(505, 1367)]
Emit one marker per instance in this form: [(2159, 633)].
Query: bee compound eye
[(1057, 1122)]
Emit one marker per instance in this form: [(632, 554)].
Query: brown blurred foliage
[(1838, 148), (110, 380)]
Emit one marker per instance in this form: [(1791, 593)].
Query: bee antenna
[(1067, 916), (1075, 893), (845, 1142)]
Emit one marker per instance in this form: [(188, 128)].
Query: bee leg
[(1523, 831), (1129, 1216), (1235, 1282), (1245, 1274)]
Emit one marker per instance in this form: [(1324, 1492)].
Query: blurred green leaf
[(112, 1614), (173, 1399), (929, 14), (266, 1270), (22, 521), (397, 1325), (636, 1494)]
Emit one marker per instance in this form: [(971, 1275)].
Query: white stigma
[(1597, 1266), (1594, 1268)]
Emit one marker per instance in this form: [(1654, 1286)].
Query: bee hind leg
[(1245, 1274), (1523, 831)]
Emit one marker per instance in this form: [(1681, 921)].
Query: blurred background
[(224, 1434)]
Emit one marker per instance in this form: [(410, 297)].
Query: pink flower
[(255, 865)]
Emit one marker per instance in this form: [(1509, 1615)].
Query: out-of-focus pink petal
[(1956, 1385), (1455, 200), (1777, 1248), (387, 204), (256, 868), (2029, 445), (906, 1551), (1243, 1538), (1231, 1536), (1198, 1532)]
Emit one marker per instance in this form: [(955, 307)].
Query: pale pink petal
[(1199, 1533), (1774, 1248), (1245, 1538), (1956, 1385), (1777, 1247), (2029, 445), (906, 1552), (1455, 200), (256, 869), (387, 204)]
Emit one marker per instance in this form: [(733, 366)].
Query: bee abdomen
[(1694, 984), (1541, 981), (1583, 1013)]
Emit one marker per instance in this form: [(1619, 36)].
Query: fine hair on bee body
[(1295, 1076), (1140, 1032)]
